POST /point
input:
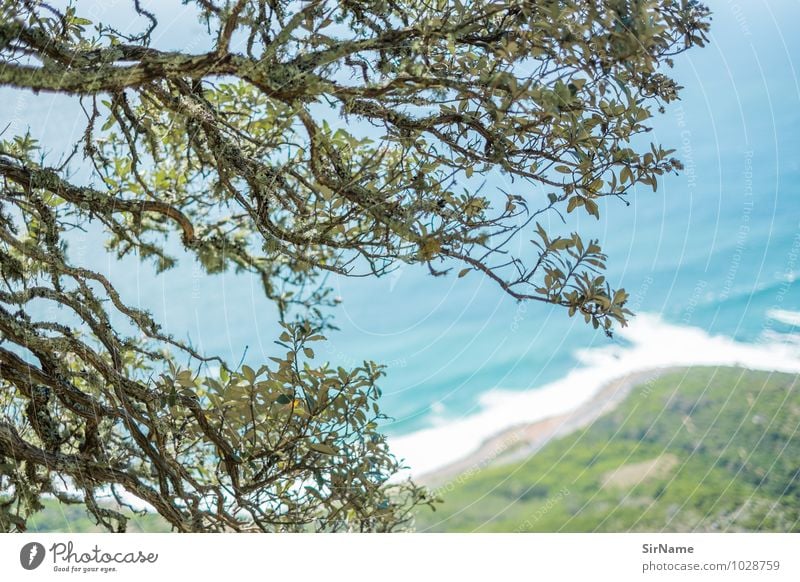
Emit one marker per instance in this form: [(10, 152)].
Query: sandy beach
[(523, 440)]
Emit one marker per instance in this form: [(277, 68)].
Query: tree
[(232, 150)]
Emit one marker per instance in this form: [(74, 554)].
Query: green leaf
[(184, 378), (322, 448), (591, 208), (573, 203), (248, 373), (283, 399), (561, 244)]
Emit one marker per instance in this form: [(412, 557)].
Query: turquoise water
[(717, 247)]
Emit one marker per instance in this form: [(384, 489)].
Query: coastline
[(523, 440), (690, 451), (509, 422)]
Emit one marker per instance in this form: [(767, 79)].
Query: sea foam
[(788, 317)]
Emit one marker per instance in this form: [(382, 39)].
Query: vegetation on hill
[(702, 449), (60, 517)]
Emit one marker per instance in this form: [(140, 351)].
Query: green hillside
[(703, 449), (57, 517)]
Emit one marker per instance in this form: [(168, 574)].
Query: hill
[(58, 517), (700, 449)]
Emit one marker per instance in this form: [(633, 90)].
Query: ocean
[(711, 261)]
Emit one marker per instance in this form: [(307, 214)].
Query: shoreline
[(520, 421), (526, 439)]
